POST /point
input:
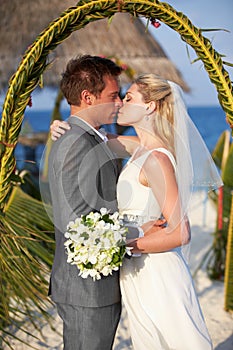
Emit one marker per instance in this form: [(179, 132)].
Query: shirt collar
[(101, 132)]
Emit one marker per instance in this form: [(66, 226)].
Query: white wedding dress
[(157, 289)]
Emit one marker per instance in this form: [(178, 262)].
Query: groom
[(82, 178)]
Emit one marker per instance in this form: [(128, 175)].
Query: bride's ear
[(151, 107)]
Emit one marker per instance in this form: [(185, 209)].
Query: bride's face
[(133, 109)]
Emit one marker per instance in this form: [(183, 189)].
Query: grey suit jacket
[(82, 178)]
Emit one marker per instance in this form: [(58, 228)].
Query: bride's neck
[(148, 139)]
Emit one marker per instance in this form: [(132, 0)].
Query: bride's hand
[(58, 128), (153, 226)]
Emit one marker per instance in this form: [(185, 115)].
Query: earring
[(147, 118)]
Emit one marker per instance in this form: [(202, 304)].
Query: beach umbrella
[(125, 38)]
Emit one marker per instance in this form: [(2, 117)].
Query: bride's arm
[(123, 146), (159, 174)]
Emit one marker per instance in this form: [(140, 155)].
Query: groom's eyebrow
[(114, 94)]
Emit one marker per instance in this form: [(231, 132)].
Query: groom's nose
[(118, 102)]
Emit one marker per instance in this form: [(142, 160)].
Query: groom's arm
[(135, 231)]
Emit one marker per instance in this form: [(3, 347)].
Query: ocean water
[(210, 122)]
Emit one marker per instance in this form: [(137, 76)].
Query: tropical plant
[(219, 257), (229, 265), (216, 256), (27, 245), (218, 260), (22, 238)]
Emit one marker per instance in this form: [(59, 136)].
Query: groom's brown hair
[(87, 73)]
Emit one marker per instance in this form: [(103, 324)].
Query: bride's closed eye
[(127, 98)]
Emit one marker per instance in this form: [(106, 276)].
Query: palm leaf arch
[(34, 62)]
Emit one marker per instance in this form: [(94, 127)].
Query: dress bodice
[(135, 199)]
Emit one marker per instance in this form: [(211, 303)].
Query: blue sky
[(203, 14)]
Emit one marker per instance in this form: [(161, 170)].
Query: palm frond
[(214, 30), (27, 246), (228, 64)]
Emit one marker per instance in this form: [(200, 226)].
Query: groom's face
[(106, 106)]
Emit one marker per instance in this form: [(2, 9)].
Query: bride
[(157, 181)]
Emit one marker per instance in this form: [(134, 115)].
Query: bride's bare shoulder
[(158, 159)]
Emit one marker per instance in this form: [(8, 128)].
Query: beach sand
[(211, 294)]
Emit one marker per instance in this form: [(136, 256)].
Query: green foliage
[(217, 254), (227, 173), (217, 153), (27, 246), (216, 258), (229, 265)]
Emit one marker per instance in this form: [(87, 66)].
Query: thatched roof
[(125, 38)]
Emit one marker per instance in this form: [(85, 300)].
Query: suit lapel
[(90, 131)]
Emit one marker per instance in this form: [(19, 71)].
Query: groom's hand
[(149, 227), (133, 232), (152, 226)]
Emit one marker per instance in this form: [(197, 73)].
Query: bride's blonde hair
[(154, 88)]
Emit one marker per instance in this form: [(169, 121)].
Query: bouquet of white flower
[(96, 243)]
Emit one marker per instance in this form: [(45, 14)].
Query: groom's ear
[(86, 97)]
